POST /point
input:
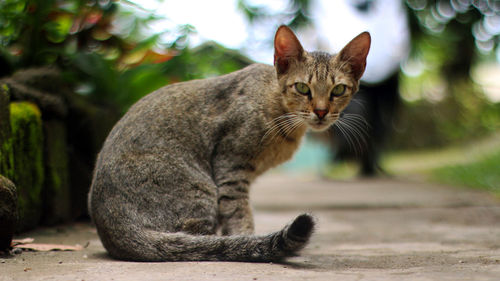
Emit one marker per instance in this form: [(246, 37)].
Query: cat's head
[(317, 86)]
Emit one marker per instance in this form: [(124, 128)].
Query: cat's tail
[(160, 246)]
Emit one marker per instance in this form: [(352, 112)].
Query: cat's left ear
[(355, 53), (286, 49)]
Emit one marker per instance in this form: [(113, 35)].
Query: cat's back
[(206, 95), (240, 85), (194, 110)]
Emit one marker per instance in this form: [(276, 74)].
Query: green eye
[(302, 88), (338, 90)]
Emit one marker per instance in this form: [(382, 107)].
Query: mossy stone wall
[(48, 147), (27, 145), (6, 151), (33, 154)]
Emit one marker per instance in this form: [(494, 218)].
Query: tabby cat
[(172, 179)]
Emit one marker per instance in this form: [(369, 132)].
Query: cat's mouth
[(321, 125)]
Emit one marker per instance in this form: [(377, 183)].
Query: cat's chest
[(281, 150)]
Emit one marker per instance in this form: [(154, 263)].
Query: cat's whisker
[(361, 136), (276, 121), (356, 132), (281, 123), (359, 118), (297, 121), (347, 135), (291, 127), (361, 130), (284, 116), (293, 123), (354, 143), (358, 123), (279, 130)]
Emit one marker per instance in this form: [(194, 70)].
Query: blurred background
[(428, 108)]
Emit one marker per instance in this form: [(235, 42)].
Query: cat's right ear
[(286, 49)]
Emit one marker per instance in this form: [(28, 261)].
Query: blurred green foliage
[(105, 48), (480, 174), (127, 86), (98, 44), (443, 114), (442, 104)]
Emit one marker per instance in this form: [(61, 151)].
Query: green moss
[(27, 144), (7, 159), (6, 151)]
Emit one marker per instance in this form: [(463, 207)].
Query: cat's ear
[(286, 49), (355, 53)]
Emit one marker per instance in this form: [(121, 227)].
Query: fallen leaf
[(21, 241), (28, 245), (48, 247)]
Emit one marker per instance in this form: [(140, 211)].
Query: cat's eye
[(338, 90), (302, 88)]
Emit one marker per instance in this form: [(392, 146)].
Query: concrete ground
[(382, 229)]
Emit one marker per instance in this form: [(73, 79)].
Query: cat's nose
[(320, 112)]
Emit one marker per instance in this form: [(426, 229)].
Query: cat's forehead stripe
[(321, 63)]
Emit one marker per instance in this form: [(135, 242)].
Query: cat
[(172, 179)]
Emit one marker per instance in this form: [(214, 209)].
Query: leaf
[(22, 241), (27, 244), (48, 247)]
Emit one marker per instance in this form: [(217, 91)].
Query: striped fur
[(172, 179)]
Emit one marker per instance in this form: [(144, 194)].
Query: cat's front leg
[(235, 213)]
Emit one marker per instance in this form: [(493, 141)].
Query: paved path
[(367, 230)]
